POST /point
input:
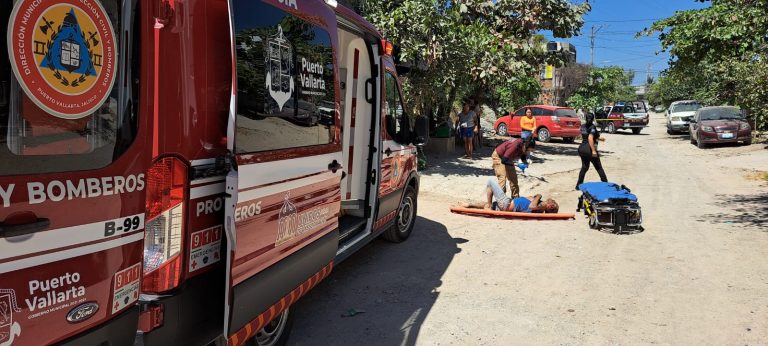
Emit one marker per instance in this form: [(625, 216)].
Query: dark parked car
[(725, 124)]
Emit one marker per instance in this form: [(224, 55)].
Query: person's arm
[(591, 140), (534, 124), (535, 208)]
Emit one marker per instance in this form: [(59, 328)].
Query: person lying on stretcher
[(496, 199)]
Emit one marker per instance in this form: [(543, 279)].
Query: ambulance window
[(72, 117), (284, 75), (397, 121)]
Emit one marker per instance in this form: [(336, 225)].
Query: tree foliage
[(603, 84), (471, 47), (718, 55)]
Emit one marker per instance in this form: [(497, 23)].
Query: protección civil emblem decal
[(63, 54)]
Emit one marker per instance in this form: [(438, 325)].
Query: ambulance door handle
[(388, 152), (7, 231)]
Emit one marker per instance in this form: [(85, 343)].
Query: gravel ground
[(697, 275)]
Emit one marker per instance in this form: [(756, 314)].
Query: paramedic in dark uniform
[(504, 157), (588, 149)]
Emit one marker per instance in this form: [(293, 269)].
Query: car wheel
[(544, 135), (748, 141), (404, 219), (700, 144), (611, 127), (276, 332), (502, 129), (669, 131), (568, 140), (636, 131)]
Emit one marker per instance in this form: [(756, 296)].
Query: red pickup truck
[(626, 116)]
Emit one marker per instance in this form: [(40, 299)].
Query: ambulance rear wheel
[(404, 219), (276, 332)]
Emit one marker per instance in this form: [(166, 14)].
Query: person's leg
[(599, 167), (584, 168), (471, 147), (514, 187), (495, 191), (488, 197), (500, 171)]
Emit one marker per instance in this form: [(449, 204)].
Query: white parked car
[(679, 115)]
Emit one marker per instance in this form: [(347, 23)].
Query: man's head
[(551, 207), (529, 144)]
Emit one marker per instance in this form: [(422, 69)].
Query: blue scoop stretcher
[(605, 192), (610, 205)]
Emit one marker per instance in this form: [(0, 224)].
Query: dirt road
[(698, 274)]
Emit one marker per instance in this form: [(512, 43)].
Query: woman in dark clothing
[(588, 149)]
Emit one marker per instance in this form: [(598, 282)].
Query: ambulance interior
[(359, 96)]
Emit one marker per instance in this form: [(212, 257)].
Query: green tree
[(603, 84), (718, 54), (475, 48)]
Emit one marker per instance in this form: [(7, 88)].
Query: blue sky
[(615, 43)]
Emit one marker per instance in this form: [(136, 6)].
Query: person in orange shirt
[(527, 124)]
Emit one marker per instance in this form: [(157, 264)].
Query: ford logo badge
[(82, 312)]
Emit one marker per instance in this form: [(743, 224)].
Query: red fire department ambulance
[(190, 168)]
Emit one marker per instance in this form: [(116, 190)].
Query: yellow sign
[(548, 72)]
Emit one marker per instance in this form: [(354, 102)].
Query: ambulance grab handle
[(7, 231)]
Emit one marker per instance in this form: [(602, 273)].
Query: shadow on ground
[(743, 210), (395, 285)]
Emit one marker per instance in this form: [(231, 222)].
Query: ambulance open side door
[(284, 185)]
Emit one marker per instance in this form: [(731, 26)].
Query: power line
[(624, 21)]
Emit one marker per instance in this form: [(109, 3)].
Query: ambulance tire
[(404, 219), (276, 332)]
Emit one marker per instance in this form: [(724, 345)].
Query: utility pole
[(592, 44), (648, 75)]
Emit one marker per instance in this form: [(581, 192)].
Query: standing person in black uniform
[(590, 137)]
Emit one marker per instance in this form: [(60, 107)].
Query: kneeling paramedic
[(504, 157)]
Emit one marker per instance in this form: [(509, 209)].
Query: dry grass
[(758, 176)]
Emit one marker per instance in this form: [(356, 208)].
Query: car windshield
[(720, 114), (566, 113), (685, 107)]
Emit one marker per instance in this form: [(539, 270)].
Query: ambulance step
[(353, 204), (349, 226)]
